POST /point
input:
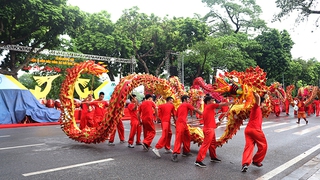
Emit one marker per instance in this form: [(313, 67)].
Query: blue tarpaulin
[(16, 104)]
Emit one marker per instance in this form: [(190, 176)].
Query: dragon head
[(95, 69)]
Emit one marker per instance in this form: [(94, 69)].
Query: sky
[(305, 36)]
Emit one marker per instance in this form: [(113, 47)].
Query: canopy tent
[(17, 102)]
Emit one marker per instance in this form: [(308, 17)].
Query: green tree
[(149, 38), (292, 74), (227, 16), (309, 75), (231, 52), (302, 72), (95, 36), (34, 23), (276, 53), (304, 7), (27, 80)]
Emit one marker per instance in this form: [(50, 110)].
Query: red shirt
[(146, 109), (301, 106), (182, 112), (133, 112), (100, 107), (276, 101), (224, 109), (209, 113), (165, 112), (255, 119)]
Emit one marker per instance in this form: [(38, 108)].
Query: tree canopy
[(34, 23), (230, 36), (304, 7), (276, 53), (227, 16)]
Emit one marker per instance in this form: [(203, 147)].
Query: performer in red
[(146, 116), (134, 122), (316, 103), (301, 111), (182, 131), (287, 104), (209, 126), (254, 135), (100, 106), (310, 109), (120, 129), (166, 111), (223, 110), (87, 112), (276, 106)]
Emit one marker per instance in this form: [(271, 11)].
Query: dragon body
[(309, 93), (116, 106), (253, 80), (276, 90), (241, 86), (199, 84), (289, 91)]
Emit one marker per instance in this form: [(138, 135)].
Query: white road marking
[(318, 136), (66, 167), (286, 128), (305, 131), (273, 125), (244, 124), (15, 147), (268, 122), (4, 136), (286, 165)]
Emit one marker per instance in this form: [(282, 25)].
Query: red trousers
[(253, 137), (165, 139), (317, 111), (149, 131), (135, 130), (87, 120), (182, 137), (120, 132), (209, 142)]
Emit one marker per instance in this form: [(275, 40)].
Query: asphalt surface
[(45, 152)]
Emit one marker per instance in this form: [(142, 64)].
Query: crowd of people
[(144, 115), (301, 109)]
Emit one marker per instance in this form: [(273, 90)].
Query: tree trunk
[(146, 69)]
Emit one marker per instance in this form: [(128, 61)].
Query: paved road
[(47, 153)]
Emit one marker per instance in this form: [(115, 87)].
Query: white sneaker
[(168, 151), (156, 152), (130, 146), (111, 144)]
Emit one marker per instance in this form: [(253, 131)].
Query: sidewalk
[(309, 171), (2, 126)]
